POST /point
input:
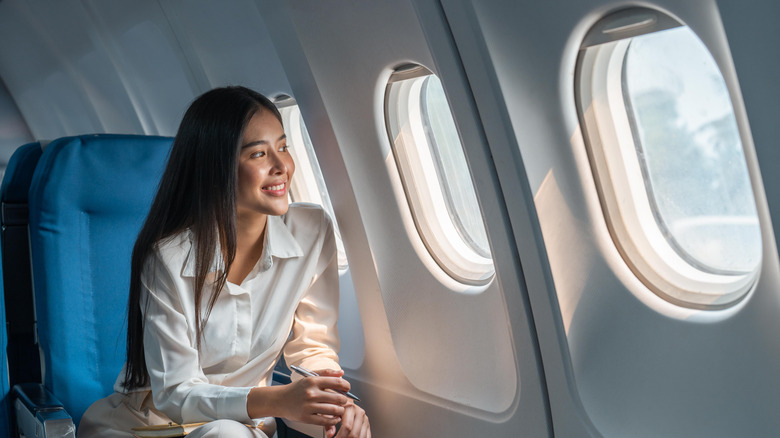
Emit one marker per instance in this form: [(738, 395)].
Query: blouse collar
[(279, 243)]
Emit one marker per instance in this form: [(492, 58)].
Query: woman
[(226, 277)]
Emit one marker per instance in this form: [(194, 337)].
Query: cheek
[(247, 178), (290, 167), (243, 178)]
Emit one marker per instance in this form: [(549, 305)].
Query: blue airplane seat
[(88, 199), (18, 173), (5, 386), (19, 361), (22, 360)]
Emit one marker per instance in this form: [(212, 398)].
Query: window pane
[(308, 185), (691, 152), (452, 169), (315, 166), (435, 175)]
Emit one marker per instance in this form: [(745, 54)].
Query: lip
[(276, 189)]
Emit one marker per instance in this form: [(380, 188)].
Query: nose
[(278, 167)]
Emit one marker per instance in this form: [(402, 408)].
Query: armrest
[(39, 414), (36, 397)]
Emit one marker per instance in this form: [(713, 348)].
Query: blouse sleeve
[(314, 342), (179, 386)]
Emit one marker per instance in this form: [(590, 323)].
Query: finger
[(322, 391), (326, 396), (325, 409), (360, 425), (330, 431), (365, 431), (347, 423), (330, 373), (322, 420), (333, 383)]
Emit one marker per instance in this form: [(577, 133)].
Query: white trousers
[(225, 428), (117, 414)]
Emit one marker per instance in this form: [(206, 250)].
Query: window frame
[(431, 207), (610, 141), (308, 184)]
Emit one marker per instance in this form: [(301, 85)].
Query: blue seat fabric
[(5, 429), (19, 360), (88, 199), (23, 360), (19, 172)]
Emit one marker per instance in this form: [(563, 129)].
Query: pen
[(307, 373)]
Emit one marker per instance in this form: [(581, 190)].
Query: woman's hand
[(314, 400), (309, 400), (354, 423)]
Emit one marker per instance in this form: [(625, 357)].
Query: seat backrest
[(4, 385), (23, 360), (88, 199), (19, 360)]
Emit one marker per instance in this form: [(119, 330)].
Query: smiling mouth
[(278, 189), (274, 188)]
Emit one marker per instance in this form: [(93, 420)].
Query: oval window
[(435, 175), (670, 167)]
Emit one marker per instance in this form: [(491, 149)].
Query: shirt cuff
[(232, 404)]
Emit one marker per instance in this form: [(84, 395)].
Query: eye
[(284, 148), (257, 154)]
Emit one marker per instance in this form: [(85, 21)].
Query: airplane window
[(308, 185), (435, 174), (442, 136), (694, 167), (666, 149)]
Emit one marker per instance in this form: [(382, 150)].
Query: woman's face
[(265, 167)]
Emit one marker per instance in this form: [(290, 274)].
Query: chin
[(279, 210)]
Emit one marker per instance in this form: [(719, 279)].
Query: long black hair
[(197, 192)]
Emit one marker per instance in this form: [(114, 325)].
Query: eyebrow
[(262, 142)]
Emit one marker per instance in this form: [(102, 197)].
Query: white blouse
[(287, 304)]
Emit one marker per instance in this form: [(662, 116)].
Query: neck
[(249, 230), (249, 245)]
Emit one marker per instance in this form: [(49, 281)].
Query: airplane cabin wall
[(619, 360), (13, 128), (752, 37), (419, 322)]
